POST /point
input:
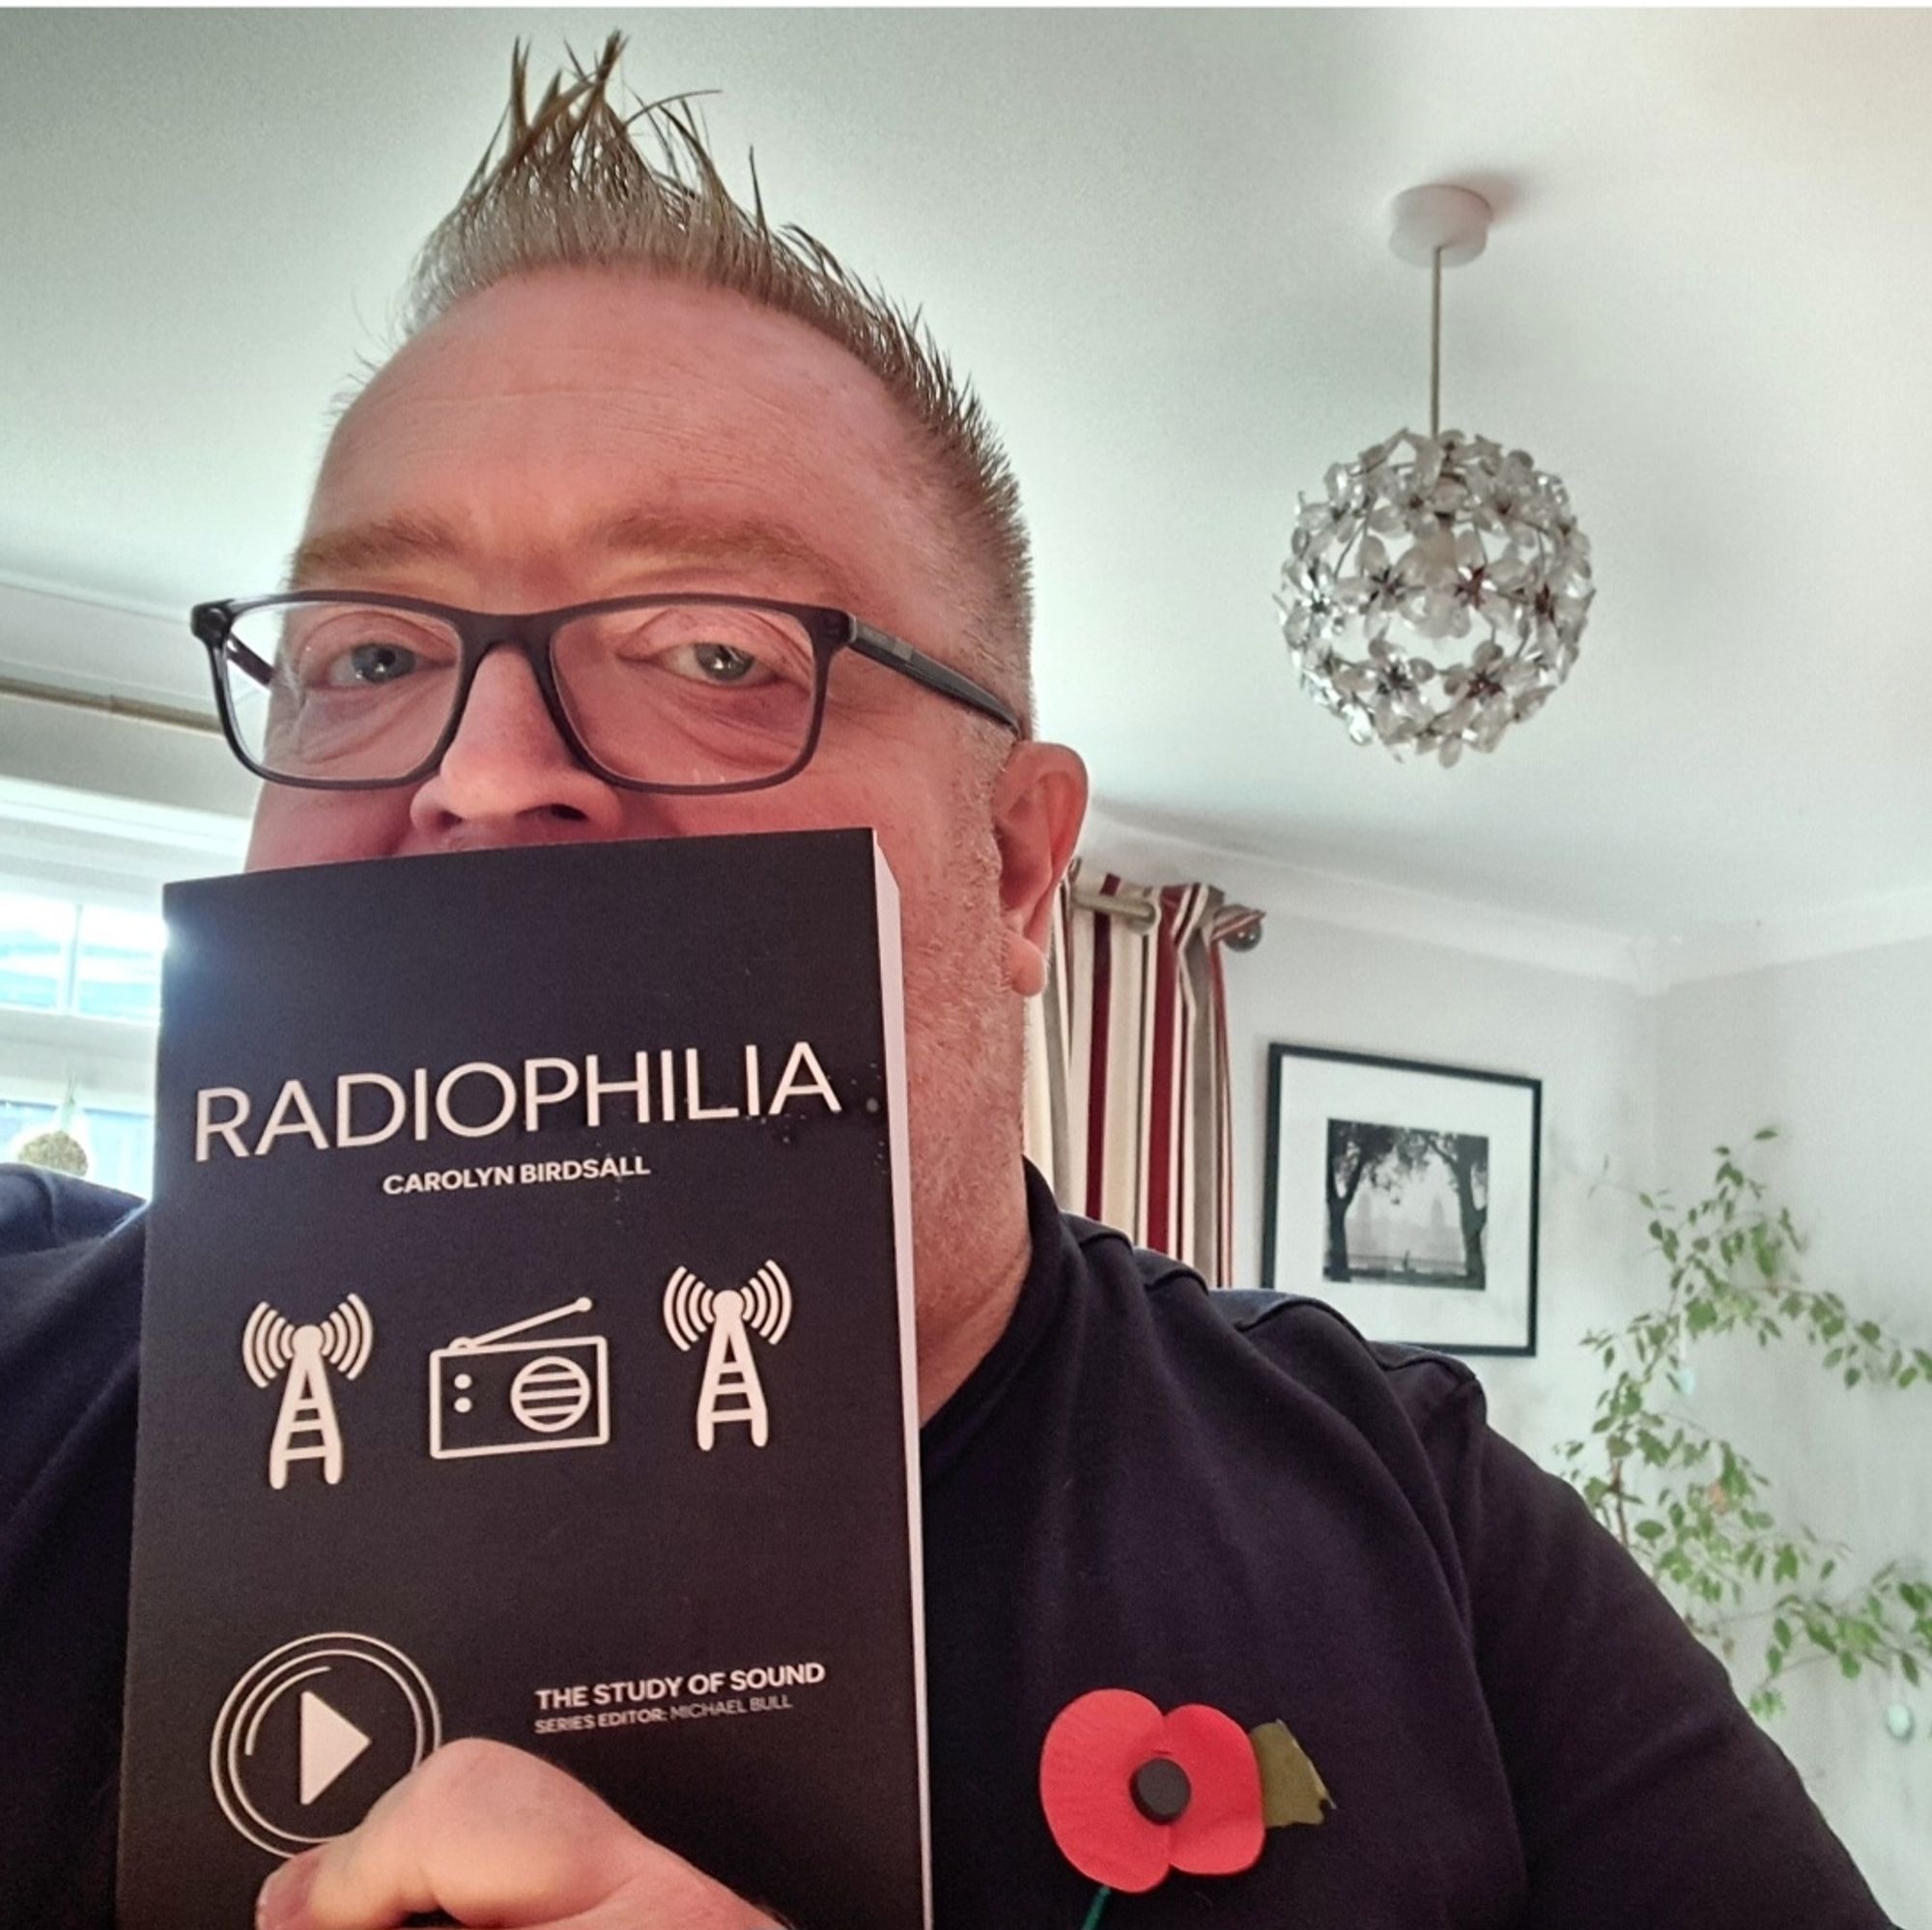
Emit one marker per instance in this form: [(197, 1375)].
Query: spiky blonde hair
[(572, 188)]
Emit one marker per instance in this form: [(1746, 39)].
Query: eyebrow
[(413, 536)]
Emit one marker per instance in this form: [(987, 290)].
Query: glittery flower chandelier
[(1435, 547)]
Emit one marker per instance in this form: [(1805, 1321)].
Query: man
[(619, 382)]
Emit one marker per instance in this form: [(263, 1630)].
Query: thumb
[(489, 1834)]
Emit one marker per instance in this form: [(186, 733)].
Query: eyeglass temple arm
[(929, 671), (214, 623)]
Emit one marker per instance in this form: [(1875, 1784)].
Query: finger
[(484, 1833)]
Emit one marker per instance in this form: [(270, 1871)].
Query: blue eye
[(373, 664)]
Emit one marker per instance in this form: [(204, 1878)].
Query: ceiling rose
[(1426, 548)]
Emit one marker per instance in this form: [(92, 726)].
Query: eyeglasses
[(687, 694)]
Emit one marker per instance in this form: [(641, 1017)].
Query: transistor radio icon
[(488, 1394), (305, 1427), (731, 1391)]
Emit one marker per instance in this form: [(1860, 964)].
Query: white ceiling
[(1156, 242)]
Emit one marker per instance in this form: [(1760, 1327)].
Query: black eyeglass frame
[(533, 632)]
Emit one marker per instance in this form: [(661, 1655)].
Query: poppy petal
[(1085, 1787), (1221, 1829)]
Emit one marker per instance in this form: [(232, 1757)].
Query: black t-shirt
[(1281, 1521)]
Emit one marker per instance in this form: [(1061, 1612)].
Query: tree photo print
[(1405, 1194), (1406, 1206)]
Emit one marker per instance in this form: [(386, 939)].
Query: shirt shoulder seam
[(1091, 1233)]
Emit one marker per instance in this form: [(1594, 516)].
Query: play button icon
[(314, 1733), (329, 1743)]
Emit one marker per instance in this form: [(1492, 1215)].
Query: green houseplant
[(60, 1147), (1690, 1507)]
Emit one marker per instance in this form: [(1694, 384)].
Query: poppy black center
[(1161, 1790)]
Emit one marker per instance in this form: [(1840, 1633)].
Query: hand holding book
[(490, 1834)]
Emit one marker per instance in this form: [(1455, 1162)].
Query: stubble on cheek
[(297, 827), (965, 1063)]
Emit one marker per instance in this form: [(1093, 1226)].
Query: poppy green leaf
[(1291, 1787)]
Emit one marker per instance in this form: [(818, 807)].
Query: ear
[(1040, 800)]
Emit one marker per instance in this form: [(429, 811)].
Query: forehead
[(560, 421)]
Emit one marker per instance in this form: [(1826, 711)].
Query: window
[(82, 942), (116, 970), (36, 951), (65, 959), (95, 961)]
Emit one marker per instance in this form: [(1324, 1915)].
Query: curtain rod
[(135, 709), (1145, 917)]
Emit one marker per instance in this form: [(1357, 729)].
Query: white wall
[(1313, 981), (1836, 1053), (1644, 1082)]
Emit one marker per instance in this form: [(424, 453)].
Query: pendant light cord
[(1436, 346)]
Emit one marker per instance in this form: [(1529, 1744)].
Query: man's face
[(774, 462), (769, 461)]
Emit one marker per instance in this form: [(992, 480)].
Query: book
[(528, 1354)]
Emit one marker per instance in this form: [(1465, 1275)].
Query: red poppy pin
[(1131, 1794)]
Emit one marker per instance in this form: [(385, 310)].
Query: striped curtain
[(1127, 1091)]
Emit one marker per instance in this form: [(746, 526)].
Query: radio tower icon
[(731, 1391), (306, 1428)]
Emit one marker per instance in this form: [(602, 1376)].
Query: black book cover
[(528, 1354)]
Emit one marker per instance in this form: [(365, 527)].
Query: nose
[(507, 776)]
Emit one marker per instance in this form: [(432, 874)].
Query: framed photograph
[(1405, 1195)]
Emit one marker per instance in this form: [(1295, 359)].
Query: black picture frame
[(1455, 1130)]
